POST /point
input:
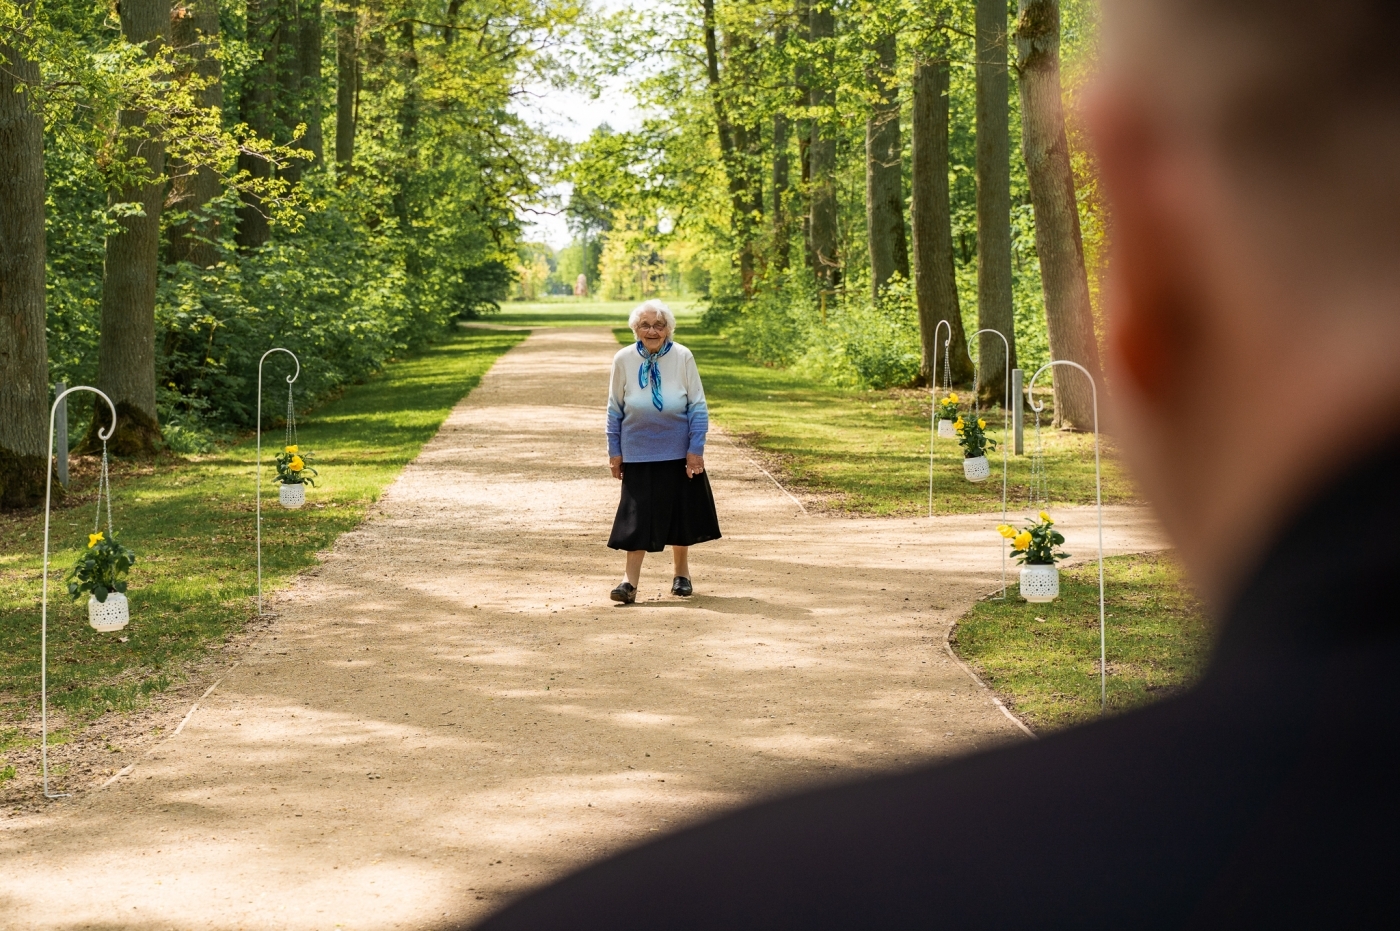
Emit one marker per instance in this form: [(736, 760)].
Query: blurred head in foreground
[(1250, 152)]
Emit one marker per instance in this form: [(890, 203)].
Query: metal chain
[(291, 418), (1039, 491), (947, 379), (104, 487)]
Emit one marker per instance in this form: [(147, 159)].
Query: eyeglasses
[(652, 327)]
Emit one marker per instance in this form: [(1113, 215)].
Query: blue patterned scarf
[(650, 371)]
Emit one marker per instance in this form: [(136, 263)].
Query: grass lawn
[(867, 452), (1044, 658), (191, 523)]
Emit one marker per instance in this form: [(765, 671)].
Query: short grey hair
[(656, 307)]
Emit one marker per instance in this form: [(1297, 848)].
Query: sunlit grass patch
[(1044, 658), (191, 522)]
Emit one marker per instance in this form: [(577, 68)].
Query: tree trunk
[(994, 305), (734, 149), (347, 81), (289, 103), (935, 285), (257, 109), (826, 263), (803, 77), (1068, 314), (781, 171), (126, 350), (884, 173), (309, 67), (194, 34), (24, 357)]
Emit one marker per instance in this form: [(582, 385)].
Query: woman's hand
[(615, 463), (694, 465)]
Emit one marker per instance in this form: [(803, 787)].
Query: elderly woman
[(657, 421)]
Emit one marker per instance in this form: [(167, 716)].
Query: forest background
[(186, 184)]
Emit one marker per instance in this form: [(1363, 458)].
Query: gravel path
[(449, 710)]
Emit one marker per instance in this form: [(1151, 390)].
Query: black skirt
[(660, 507)]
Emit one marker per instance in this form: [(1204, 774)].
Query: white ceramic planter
[(112, 614), (946, 431), (977, 469), (292, 496), (1040, 584)]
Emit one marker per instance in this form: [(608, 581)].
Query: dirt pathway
[(449, 710)]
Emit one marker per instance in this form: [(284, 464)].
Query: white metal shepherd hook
[(1098, 498), (104, 436), (258, 496), (933, 399), (1005, 418)]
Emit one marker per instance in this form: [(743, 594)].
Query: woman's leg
[(634, 566), (680, 557)]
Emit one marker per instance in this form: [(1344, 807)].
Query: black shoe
[(625, 593), (681, 586)]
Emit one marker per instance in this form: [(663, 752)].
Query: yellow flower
[(958, 424), (296, 465), (981, 423), (94, 539), (1021, 540), (951, 399), (292, 449), (1006, 530), (1046, 517)]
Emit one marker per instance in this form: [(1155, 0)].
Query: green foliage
[(366, 261), (101, 569), (294, 467), (972, 436), (1037, 544)]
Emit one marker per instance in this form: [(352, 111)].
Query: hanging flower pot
[(977, 469), (947, 413), (975, 443), (292, 496), (100, 573), (1037, 549), (294, 472), (110, 615), (1040, 584)]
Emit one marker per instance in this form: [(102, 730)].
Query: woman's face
[(651, 330)]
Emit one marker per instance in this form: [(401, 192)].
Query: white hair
[(657, 307)]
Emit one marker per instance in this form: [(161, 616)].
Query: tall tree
[(782, 170), (935, 285), (309, 70), (126, 351), (347, 82), (821, 151), (257, 108), (1068, 314), (994, 297), (24, 365), (884, 170), (737, 143), (194, 36)]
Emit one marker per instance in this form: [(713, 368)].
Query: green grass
[(1044, 658), (191, 522), (579, 312), (867, 452)]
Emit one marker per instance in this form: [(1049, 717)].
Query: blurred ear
[(1151, 281)]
